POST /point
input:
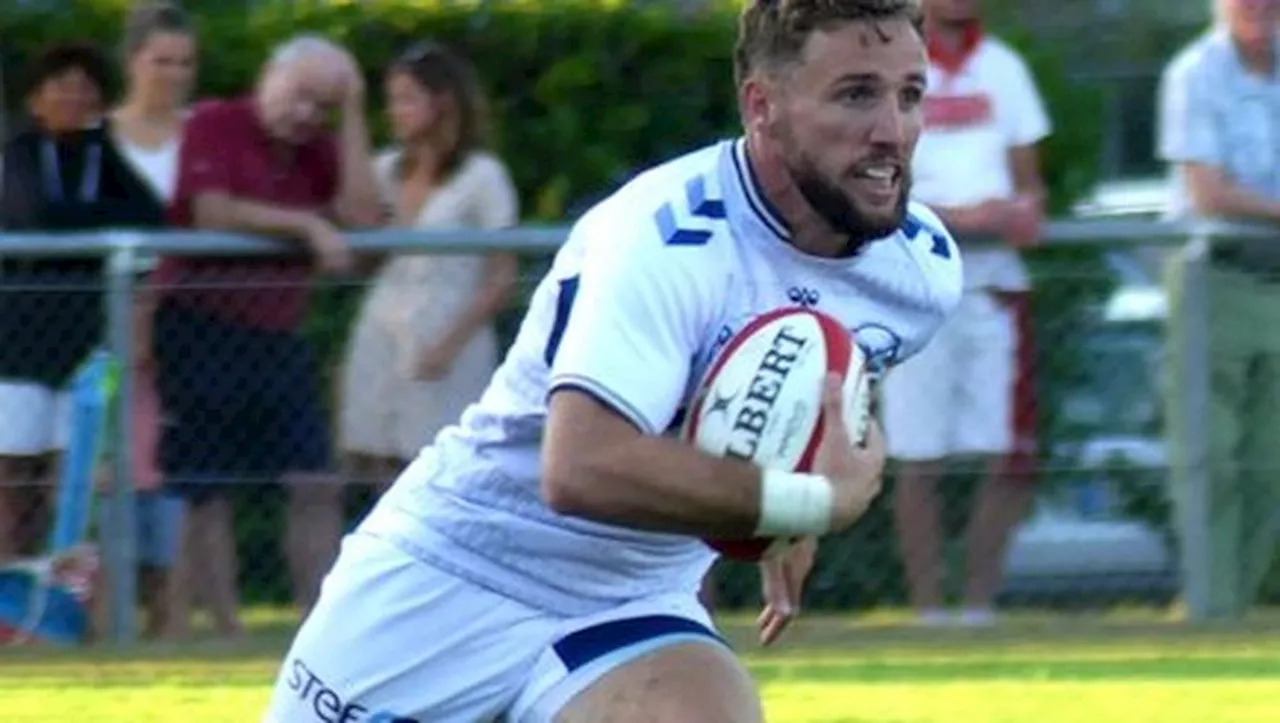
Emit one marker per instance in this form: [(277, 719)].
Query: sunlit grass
[(831, 670)]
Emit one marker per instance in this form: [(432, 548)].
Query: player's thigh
[(393, 636), (916, 402), (688, 682), (984, 408), (654, 659)]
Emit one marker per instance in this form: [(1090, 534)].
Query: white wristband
[(792, 503)]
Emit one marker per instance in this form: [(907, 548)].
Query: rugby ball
[(761, 400)]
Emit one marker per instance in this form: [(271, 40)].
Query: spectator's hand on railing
[(331, 250), (1022, 219), (435, 362), (1016, 221)]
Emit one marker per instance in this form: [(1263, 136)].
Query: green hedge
[(583, 92)]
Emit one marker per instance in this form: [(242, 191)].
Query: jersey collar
[(757, 203)]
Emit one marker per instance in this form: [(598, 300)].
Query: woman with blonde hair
[(424, 346)]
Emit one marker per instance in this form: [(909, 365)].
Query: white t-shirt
[(651, 282), (158, 166), (973, 118)]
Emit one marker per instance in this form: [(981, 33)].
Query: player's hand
[(855, 470), (782, 582), (331, 250)]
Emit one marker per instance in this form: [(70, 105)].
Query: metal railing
[(123, 250)]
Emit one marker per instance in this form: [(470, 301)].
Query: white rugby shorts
[(957, 395), (393, 639), (33, 419)]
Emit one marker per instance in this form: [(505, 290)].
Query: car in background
[(1099, 531)]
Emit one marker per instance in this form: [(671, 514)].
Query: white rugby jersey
[(650, 284)]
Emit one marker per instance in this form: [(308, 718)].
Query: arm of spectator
[(358, 203), (1190, 137), (220, 211), (1028, 182), (978, 219), (1213, 194), (205, 182), (496, 206)]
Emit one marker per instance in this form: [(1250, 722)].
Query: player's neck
[(809, 232)]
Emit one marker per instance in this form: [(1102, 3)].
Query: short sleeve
[(495, 194), (637, 317), (203, 163), (1186, 131), (1026, 121)]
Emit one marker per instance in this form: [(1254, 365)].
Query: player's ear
[(757, 106)]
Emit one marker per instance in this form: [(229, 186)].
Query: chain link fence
[(222, 524)]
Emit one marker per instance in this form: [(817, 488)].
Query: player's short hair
[(773, 33)]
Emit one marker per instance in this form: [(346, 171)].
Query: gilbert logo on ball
[(761, 400)]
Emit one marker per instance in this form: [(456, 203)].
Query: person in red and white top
[(977, 167)]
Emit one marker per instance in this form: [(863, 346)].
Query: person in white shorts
[(977, 167), (541, 560), (60, 173)]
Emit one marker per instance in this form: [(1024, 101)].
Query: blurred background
[(582, 94)]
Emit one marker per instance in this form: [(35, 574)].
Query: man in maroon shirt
[(237, 380)]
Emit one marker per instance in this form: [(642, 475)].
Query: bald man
[(238, 381)]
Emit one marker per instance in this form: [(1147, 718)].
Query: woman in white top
[(159, 57), (160, 63), (424, 344)]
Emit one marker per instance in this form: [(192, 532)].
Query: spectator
[(424, 346), (159, 62), (977, 167), (236, 378), (61, 173), (1219, 123)]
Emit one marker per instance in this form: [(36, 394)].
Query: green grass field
[(829, 670)]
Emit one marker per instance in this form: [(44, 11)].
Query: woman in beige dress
[(424, 346)]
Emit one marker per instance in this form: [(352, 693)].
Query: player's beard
[(839, 210)]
